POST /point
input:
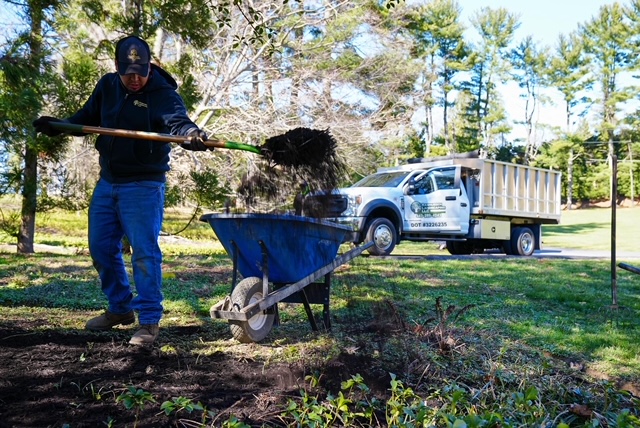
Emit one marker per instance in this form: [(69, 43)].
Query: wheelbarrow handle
[(143, 135)]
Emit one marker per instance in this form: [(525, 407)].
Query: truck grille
[(324, 205)]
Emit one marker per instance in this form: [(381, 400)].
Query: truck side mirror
[(411, 187)]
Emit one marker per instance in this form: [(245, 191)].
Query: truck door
[(435, 201)]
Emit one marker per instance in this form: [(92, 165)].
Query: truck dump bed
[(518, 190)]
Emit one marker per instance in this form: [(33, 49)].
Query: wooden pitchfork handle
[(153, 136)]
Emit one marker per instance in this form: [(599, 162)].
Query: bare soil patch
[(67, 377)]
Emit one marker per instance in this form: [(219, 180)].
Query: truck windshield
[(382, 179)]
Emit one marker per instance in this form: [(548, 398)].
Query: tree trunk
[(30, 175), (133, 9), (631, 184), (29, 191), (570, 180), (445, 122), (428, 128)]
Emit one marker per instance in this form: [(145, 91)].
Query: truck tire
[(383, 234), (523, 241), (506, 247), (459, 248), (249, 291)]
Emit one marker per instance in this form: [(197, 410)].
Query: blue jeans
[(135, 210)]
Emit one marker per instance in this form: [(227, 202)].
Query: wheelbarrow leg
[(307, 309), (276, 314), (234, 257), (265, 282), (326, 316), (325, 293)]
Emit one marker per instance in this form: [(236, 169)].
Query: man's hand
[(43, 125), (197, 137)]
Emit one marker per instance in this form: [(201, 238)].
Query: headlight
[(353, 202)]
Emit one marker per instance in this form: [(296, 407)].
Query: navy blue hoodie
[(155, 108)]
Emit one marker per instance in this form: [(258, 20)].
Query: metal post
[(633, 196), (614, 199)]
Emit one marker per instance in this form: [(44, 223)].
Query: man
[(128, 199)]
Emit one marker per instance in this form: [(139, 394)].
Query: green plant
[(95, 394), (454, 405), (353, 406), (183, 404), (234, 422), (136, 399), (306, 411), (405, 408), (178, 404), (10, 222)]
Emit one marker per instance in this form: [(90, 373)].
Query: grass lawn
[(506, 324), (590, 229)]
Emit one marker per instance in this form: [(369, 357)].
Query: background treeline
[(391, 80)]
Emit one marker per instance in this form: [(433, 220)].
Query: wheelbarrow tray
[(296, 246), (223, 308)]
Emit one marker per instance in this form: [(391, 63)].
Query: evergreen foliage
[(391, 80)]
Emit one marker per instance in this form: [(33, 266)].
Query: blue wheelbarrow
[(279, 257)]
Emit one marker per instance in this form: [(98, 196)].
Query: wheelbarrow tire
[(249, 291)]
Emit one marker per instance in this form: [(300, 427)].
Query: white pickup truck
[(473, 204)]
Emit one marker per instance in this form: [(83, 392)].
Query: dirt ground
[(70, 378)]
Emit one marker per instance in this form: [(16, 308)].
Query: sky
[(544, 20), (8, 19)]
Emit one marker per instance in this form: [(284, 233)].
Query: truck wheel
[(459, 248), (249, 291), (383, 234), (523, 241)]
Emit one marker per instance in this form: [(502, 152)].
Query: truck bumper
[(355, 223)]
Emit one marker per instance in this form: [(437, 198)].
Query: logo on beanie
[(133, 55)]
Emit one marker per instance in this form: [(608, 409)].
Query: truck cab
[(436, 200), (385, 206)]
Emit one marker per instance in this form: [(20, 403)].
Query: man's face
[(133, 82)]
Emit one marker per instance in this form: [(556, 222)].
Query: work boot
[(108, 320), (146, 335)]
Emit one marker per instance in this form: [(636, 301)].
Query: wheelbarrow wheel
[(256, 328)]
